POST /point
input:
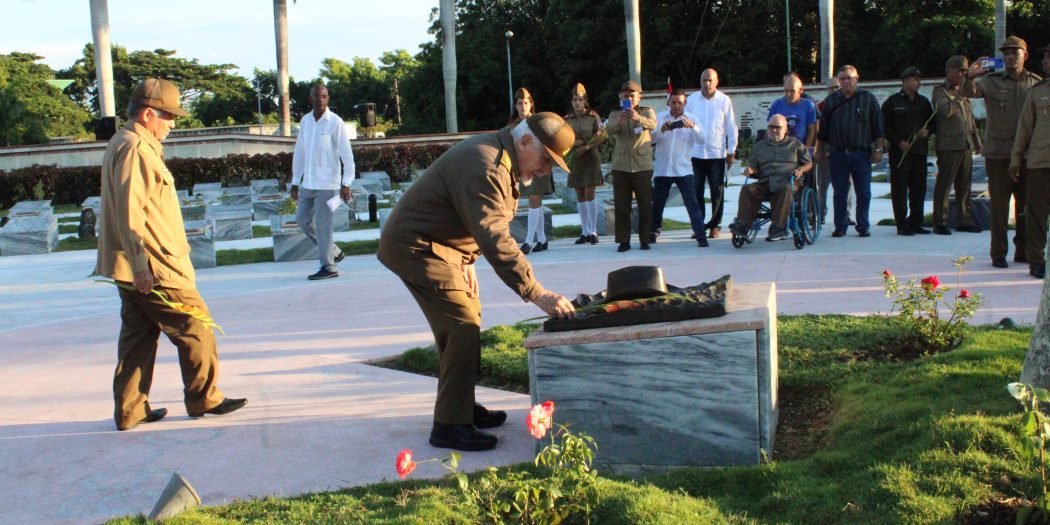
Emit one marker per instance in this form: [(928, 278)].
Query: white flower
[(1016, 390)]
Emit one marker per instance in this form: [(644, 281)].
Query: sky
[(237, 32)]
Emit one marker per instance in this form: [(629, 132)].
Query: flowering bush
[(565, 486), (919, 307)]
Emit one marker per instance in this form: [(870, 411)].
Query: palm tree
[(280, 29), (827, 39), (448, 62), (634, 40), (1000, 24), (103, 59)]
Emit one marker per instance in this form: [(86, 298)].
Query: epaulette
[(504, 160)]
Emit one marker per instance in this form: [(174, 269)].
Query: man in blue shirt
[(800, 112)]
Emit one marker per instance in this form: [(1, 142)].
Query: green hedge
[(71, 185)]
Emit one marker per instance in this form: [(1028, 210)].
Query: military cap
[(579, 90), (1014, 42), (911, 72), (522, 93), (958, 61), (554, 134), (158, 94), (630, 85)]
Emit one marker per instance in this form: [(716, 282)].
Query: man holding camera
[(1004, 93), (632, 164), (1031, 157), (675, 135), (957, 140)]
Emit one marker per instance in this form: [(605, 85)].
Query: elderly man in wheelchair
[(778, 163)]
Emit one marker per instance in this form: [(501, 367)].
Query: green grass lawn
[(868, 434)]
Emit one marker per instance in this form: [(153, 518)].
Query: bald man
[(773, 162), (712, 157)]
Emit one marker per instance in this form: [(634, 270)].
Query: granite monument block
[(201, 237), (29, 231), (381, 176), (231, 221), (289, 242), (265, 206), (265, 187), (236, 195), (209, 191)]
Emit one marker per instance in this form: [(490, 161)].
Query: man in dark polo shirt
[(907, 121), (851, 137)]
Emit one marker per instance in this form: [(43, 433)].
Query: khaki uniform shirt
[(1033, 129), (586, 127), (142, 227), (459, 209), (1003, 98), (634, 145), (775, 162), (956, 130)]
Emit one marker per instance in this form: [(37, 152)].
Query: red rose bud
[(964, 294), (932, 281)]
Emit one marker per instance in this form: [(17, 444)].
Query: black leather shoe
[(1037, 270), (863, 233), (228, 405), (152, 416), (323, 274), (624, 246), (645, 246), (921, 231), (485, 418), (340, 257), (653, 236), (838, 233), (905, 232), (1000, 262), (941, 230), (526, 248), (970, 228), (702, 242), (1020, 257), (461, 437), (582, 239), (540, 246), (592, 238)]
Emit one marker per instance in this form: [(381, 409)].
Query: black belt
[(852, 150)]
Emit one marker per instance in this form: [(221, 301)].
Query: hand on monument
[(143, 281), (554, 305), (294, 193)]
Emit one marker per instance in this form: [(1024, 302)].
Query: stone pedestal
[(381, 176), (201, 237), (520, 225), (231, 221), (209, 191), (289, 242), (265, 187), (236, 195), (980, 211), (33, 229), (666, 395), (264, 206)]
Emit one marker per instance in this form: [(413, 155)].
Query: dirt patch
[(805, 413), (902, 347), (998, 510)]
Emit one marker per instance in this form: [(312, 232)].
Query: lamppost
[(510, 77), (258, 98), (787, 26)]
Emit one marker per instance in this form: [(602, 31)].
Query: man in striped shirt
[(851, 136)]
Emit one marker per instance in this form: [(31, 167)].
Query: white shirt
[(673, 148), (321, 144), (716, 119)]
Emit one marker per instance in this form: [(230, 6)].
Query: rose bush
[(919, 306)]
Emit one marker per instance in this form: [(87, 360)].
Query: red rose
[(404, 464), (931, 282), (886, 274), (964, 294)]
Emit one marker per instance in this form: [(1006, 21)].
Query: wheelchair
[(803, 221)]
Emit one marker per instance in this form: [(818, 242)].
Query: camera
[(993, 64), (625, 104), (675, 125)]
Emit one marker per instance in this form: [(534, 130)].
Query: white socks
[(592, 226), (541, 233), (585, 219)]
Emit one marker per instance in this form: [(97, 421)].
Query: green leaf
[(461, 478), (453, 460)]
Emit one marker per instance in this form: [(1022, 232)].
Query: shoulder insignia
[(504, 161)]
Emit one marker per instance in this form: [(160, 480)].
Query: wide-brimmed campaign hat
[(554, 134), (158, 93)]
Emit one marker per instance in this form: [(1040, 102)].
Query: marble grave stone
[(201, 237), (265, 206), (265, 186), (236, 195), (209, 191), (289, 241), (381, 176), (32, 229), (231, 221)]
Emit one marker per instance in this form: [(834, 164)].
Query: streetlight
[(510, 80), (787, 26), (258, 98)]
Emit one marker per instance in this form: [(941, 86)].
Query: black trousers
[(713, 172), (908, 189)]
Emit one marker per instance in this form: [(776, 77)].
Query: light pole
[(258, 98), (787, 26), (510, 77)]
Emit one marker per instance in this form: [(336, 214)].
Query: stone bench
[(660, 396), (519, 227)]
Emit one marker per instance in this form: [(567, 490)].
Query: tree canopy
[(32, 111)]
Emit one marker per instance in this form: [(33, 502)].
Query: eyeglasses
[(844, 78), (774, 127)]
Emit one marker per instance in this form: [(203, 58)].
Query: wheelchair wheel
[(810, 216), (738, 241), (798, 239)]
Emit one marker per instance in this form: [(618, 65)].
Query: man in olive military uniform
[(906, 121), (957, 140), (459, 209), (632, 164), (1004, 93), (1030, 163), (143, 247)]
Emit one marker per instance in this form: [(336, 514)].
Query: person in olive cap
[(143, 246), (957, 140), (1030, 156), (906, 120), (632, 164), (1004, 93), (458, 210)]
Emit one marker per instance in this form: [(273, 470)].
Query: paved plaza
[(319, 417)]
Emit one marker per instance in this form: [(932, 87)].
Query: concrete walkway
[(319, 418)]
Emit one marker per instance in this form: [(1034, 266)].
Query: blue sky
[(221, 31)]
